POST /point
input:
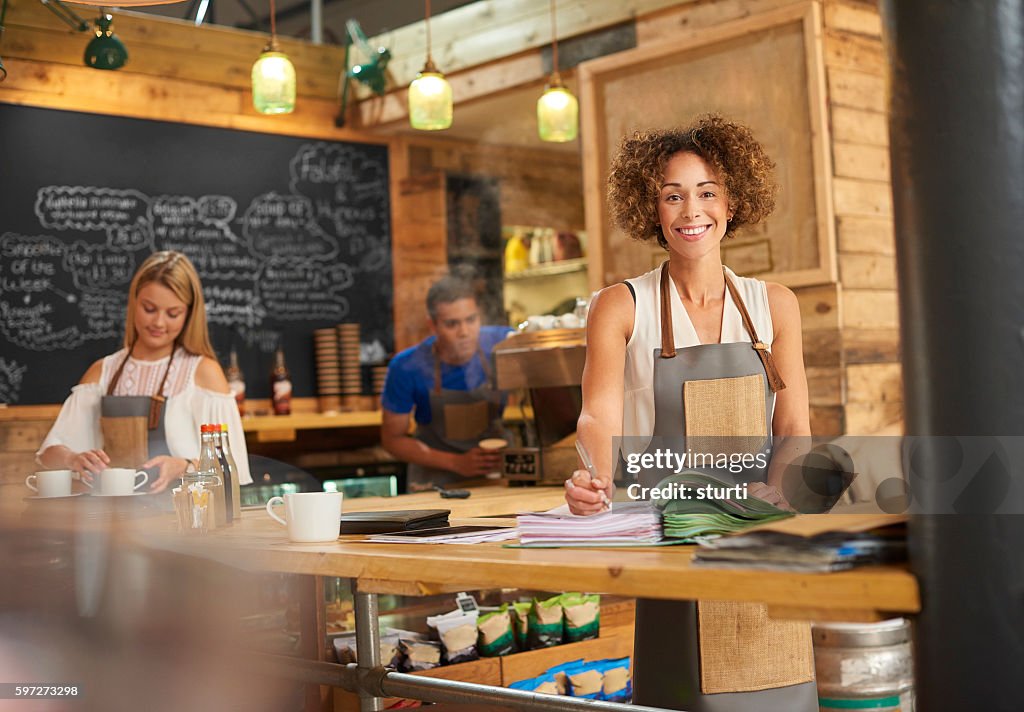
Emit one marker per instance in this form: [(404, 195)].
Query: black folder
[(400, 520)]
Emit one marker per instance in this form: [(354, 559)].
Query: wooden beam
[(76, 88), (497, 76), (501, 29)]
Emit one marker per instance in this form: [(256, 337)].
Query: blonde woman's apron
[(133, 426)]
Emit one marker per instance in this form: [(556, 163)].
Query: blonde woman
[(143, 405)]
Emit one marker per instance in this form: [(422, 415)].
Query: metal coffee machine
[(548, 365)]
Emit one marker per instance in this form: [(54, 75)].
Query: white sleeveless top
[(188, 406), (638, 404)]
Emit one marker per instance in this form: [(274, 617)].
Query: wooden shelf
[(549, 269), (311, 421), (284, 428)]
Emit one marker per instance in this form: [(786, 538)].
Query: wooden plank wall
[(851, 329), (870, 356)]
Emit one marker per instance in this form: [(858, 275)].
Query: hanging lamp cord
[(273, 23), (554, 40), (426, 22)]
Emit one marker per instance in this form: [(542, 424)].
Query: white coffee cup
[(50, 483), (311, 516), (115, 481)]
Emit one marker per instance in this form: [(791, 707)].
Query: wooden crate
[(615, 642)]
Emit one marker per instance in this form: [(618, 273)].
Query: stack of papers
[(810, 543), (702, 505), (473, 534), (628, 524)]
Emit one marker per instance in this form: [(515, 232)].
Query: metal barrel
[(864, 666)]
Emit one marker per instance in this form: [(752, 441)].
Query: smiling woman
[(142, 406), (687, 351)]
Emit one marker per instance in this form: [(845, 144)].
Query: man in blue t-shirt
[(454, 411)]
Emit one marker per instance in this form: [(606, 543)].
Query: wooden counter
[(864, 594)]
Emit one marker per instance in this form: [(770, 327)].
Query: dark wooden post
[(957, 125)]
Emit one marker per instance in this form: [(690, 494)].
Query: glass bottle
[(281, 385), (236, 382), (236, 494), (198, 485), (225, 467)]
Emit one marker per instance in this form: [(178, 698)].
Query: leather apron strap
[(157, 399), (668, 344)]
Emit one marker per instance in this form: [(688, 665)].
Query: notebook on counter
[(398, 520)]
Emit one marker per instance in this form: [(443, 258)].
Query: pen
[(589, 464)]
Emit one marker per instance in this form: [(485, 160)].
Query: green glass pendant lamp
[(273, 77)]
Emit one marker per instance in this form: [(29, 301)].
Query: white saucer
[(133, 494), (35, 497)]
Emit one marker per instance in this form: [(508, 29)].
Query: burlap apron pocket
[(725, 414), (125, 440), (466, 421), (742, 650)]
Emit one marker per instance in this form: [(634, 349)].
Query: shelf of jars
[(549, 269)]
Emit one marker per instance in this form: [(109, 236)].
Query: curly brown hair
[(634, 183)]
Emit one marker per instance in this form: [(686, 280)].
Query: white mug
[(120, 481), (50, 483), (311, 516)]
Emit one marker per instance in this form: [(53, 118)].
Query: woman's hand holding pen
[(587, 495)]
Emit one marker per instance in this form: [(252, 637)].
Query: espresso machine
[(548, 366)]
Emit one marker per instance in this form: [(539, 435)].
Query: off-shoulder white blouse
[(188, 406)]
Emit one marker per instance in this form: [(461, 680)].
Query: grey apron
[(668, 653), (133, 426), (459, 420)]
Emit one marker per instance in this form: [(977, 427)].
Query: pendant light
[(273, 77), (430, 94), (105, 50), (557, 109)]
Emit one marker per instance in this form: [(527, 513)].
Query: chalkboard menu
[(288, 235)]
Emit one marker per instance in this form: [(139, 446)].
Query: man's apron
[(716, 656), (459, 420), (133, 426)]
